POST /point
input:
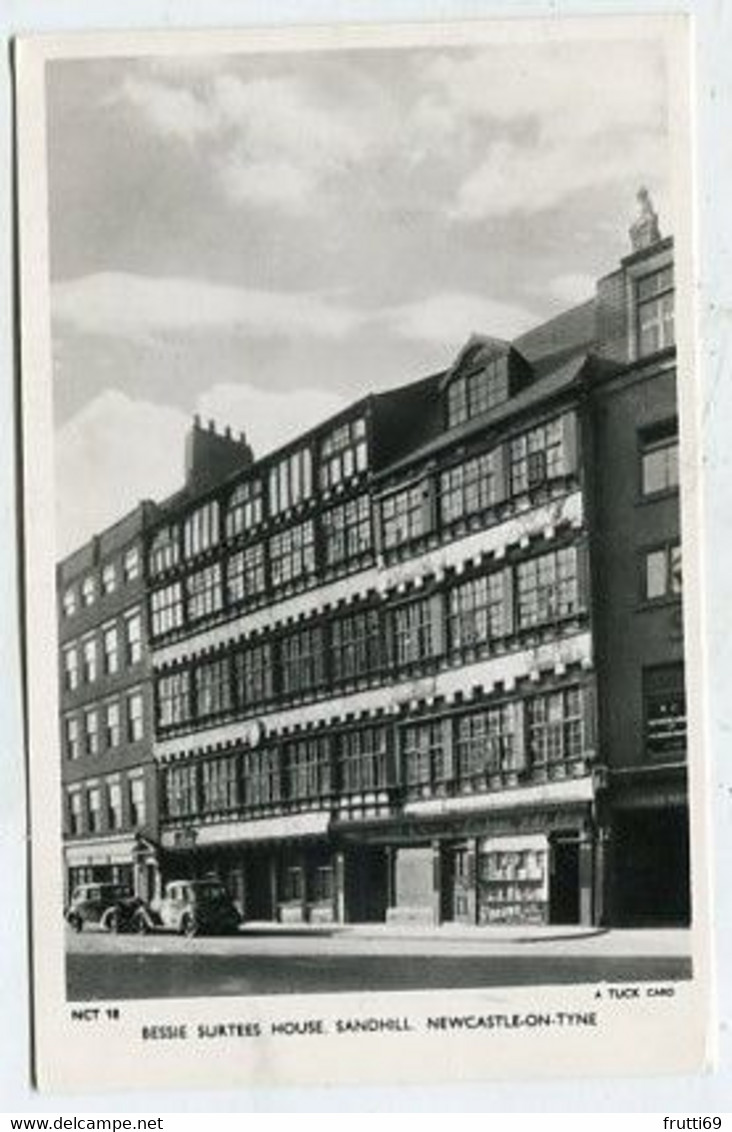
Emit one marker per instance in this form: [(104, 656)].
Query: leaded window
[(292, 554), (356, 645), (347, 530), (554, 722), (306, 767), (477, 612), (343, 453), (174, 698), (164, 550), (537, 456), (547, 588), (245, 509), (261, 777), (204, 593), (301, 661), (424, 754), (212, 684), (403, 516), (364, 760), (290, 481), (253, 684), (486, 743), (166, 609), (470, 488), (245, 576), (415, 631), (181, 790), (219, 785), (201, 530)]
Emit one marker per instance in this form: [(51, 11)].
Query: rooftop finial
[(644, 230)]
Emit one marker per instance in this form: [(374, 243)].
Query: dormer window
[(473, 393), (655, 311)]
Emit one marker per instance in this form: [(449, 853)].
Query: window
[(164, 550), (68, 602), (166, 609), (109, 578), (91, 732), (76, 821), (137, 802), (253, 675), (292, 554), (290, 482), (293, 884), (245, 577), (71, 737), (301, 661), (363, 762), (133, 637), (88, 590), (415, 631), (347, 530), (181, 790), (662, 573), (201, 530), (537, 456), (665, 711), (403, 516), (174, 698), (356, 645), (343, 453), (110, 649), (212, 688), (424, 756), (306, 767), (478, 612), (89, 660), (659, 464), (71, 668), (112, 725), (486, 743), (204, 593), (135, 725), (555, 727), (547, 588), (475, 393), (245, 508), (114, 805), (131, 564), (261, 780), (94, 808), (322, 884), (655, 307), (219, 789), (472, 487)]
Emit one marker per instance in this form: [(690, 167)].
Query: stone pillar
[(586, 879), (340, 911)]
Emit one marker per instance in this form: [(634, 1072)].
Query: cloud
[(450, 317), (172, 111), (118, 450), (119, 304), (573, 288)]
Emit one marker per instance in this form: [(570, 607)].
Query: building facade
[(109, 781), (425, 662)]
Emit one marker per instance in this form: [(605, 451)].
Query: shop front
[(131, 861)]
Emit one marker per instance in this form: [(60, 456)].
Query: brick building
[(425, 662)]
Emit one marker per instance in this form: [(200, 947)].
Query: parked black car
[(113, 906)]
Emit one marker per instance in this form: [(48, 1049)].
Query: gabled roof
[(477, 351)]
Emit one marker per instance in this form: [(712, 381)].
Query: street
[(272, 960)]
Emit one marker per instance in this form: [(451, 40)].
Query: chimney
[(644, 231), (211, 457)]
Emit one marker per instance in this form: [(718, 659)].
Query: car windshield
[(114, 892), (209, 890)]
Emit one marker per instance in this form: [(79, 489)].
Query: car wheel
[(75, 923), (188, 926), (111, 920), (140, 924)]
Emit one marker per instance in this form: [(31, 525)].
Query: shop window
[(416, 631), (89, 660), (471, 488), (94, 809), (91, 732), (131, 564), (343, 453), (356, 645), (293, 884), (363, 760), (253, 684), (204, 593), (201, 530), (110, 649), (478, 612), (181, 790), (68, 602), (486, 743), (306, 768), (655, 311), (665, 711), (133, 638), (245, 509), (219, 787), (109, 578), (301, 661), (261, 779), (555, 732), (135, 726), (403, 516), (213, 688), (662, 572), (114, 806), (164, 550), (323, 887), (347, 531), (245, 577), (137, 802), (537, 456), (112, 725), (292, 554), (71, 668), (71, 737), (174, 698), (76, 818), (290, 481), (547, 588), (166, 609), (660, 461), (424, 754)]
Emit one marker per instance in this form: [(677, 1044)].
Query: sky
[(262, 239)]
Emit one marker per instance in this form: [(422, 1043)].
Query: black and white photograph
[(362, 547)]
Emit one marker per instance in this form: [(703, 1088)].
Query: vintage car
[(191, 907), (112, 906)]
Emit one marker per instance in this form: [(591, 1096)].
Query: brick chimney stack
[(212, 456)]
